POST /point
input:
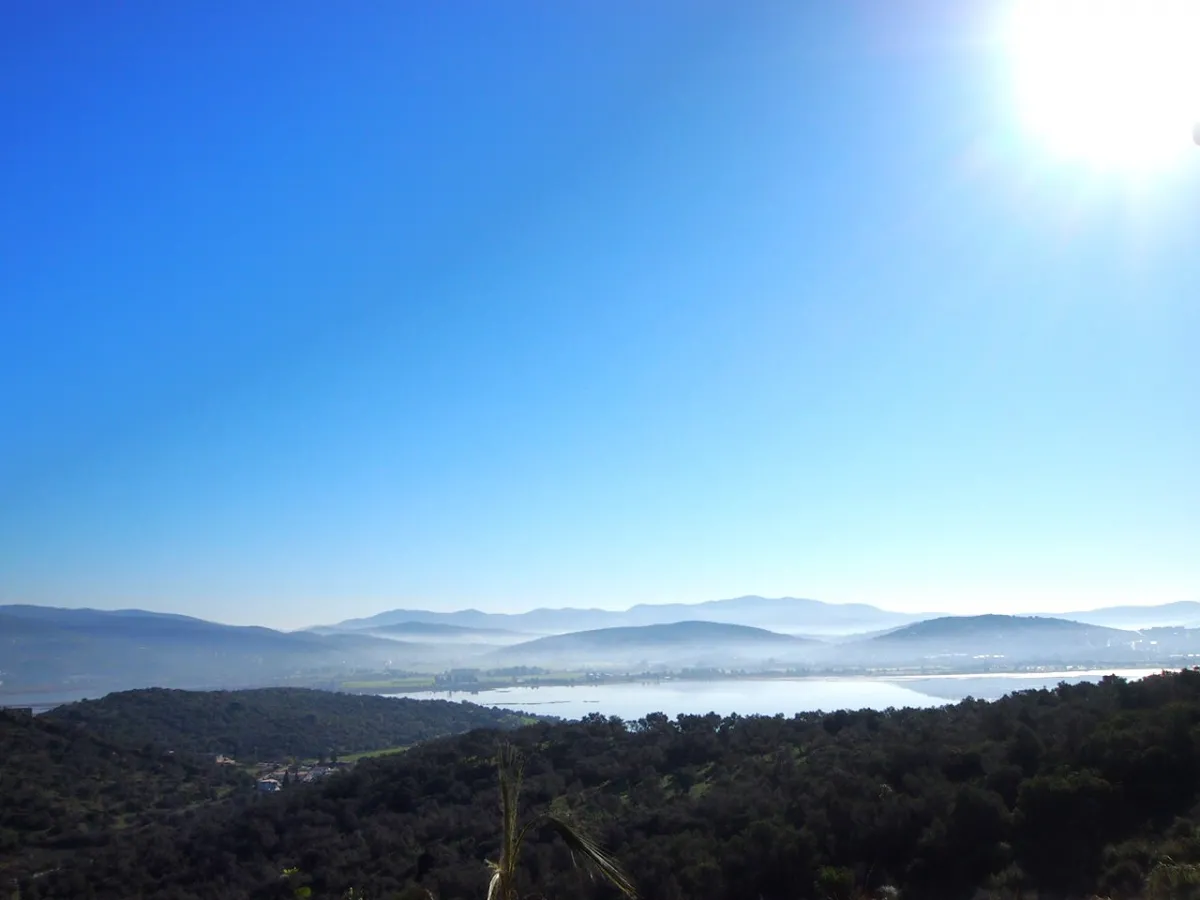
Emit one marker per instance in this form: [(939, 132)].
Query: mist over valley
[(49, 654)]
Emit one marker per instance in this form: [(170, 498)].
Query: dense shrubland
[(64, 791), (274, 723), (1056, 793)]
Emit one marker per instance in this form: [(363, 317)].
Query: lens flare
[(1112, 83)]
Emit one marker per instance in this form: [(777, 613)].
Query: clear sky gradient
[(310, 310)]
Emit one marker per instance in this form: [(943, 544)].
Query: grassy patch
[(367, 754), (393, 684)]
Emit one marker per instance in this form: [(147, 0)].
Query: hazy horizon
[(311, 314), (284, 625)]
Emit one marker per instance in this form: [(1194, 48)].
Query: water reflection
[(768, 696)]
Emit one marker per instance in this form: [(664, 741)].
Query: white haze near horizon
[(954, 610), (278, 617), (937, 599)]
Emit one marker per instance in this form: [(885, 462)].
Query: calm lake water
[(767, 696)]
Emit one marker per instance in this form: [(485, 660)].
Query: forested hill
[(274, 723), (63, 790), (667, 636), (1065, 792), (676, 644), (1000, 629)]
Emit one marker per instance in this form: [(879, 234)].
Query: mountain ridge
[(674, 632), (772, 613), (695, 643), (994, 625), (95, 651), (791, 615), (1185, 613), (54, 654), (1016, 640)]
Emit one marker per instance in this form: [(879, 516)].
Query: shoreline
[(1128, 672), (39, 704)]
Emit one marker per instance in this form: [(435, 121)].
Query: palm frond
[(525, 829), (503, 883), (494, 884), (510, 768), (592, 853)]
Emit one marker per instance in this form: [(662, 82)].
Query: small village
[(276, 776)]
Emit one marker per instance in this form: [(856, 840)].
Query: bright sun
[(1109, 83)]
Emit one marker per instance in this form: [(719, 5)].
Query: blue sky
[(308, 312)]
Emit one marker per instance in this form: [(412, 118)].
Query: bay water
[(765, 696)]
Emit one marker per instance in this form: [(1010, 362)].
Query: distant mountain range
[(1183, 614), (427, 633), (788, 615), (62, 654), (86, 652), (440, 629), (943, 643), (783, 614), (441, 633)]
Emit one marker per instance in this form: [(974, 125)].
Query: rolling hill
[(1083, 791), (273, 723), (1012, 639), (82, 652), (693, 643), (78, 777), (50, 655), (67, 791), (1000, 629), (788, 615)]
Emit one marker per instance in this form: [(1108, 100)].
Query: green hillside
[(1054, 794), (64, 791), (274, 723)]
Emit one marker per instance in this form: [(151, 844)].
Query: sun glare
[(1109, 83)]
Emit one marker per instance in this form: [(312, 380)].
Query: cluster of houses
[(273, 776)]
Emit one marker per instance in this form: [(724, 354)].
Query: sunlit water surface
[(767, 696)]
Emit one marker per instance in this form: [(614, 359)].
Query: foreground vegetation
[(64, 791), (275, 723), (1055, 793)]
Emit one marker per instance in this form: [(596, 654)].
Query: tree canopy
[(1084, 788), (275, 723)]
